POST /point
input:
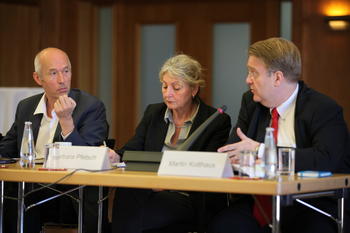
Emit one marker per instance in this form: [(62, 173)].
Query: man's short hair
[(278, 54), (37, 63)]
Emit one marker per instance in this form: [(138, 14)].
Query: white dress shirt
[(286, 133), (286, 111), (47, 128)]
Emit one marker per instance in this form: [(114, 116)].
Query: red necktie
[(262, 209), (274, 123)]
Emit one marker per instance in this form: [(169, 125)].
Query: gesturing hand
[(64, 107), (245, 144)]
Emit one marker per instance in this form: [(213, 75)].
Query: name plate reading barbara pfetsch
[(78, 157), (193, 163)]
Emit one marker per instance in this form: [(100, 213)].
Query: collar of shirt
[(168, 116), (47, 128), (284, 108), (184, 132), (41, 109)]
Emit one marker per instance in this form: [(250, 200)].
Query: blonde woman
[(165, 126)]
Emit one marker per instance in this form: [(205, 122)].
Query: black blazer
[(89, 116), (320, 130), (151, 132)]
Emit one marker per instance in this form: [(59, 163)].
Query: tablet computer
[(4, 160)]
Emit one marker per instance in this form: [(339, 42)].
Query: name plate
[(75, 157), (192, 163)]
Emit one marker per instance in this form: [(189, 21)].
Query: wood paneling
[(29, 26), (325, 53), (58, 24), (19, 42), (194, 22), (87, 40)]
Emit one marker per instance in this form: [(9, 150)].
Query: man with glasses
[(302, 118), (58, 114)]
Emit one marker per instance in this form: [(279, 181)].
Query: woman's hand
[(113, 156)]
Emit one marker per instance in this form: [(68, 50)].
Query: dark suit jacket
[(321, 138), (320, 130), (151, 132), (89, 116)]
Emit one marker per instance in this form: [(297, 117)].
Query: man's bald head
[(45, 54)]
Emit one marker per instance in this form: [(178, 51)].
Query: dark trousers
[(141, 210), (62, 210), (238, 218)]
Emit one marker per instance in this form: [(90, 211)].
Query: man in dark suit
[(308, 120), (59, 114)]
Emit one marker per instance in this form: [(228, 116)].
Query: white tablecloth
[(9, 98)]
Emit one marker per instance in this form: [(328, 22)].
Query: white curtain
[(9, 98)]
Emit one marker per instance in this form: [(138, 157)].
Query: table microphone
[(189, 141)]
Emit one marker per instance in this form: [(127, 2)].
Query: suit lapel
[(36, 121), (57, 136), (160, 134), (299, 133), (254, 123), (264, 121), (159, 130)]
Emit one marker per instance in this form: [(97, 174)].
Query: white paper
[(84, 157), (193, 163)]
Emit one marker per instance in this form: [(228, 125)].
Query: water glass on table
[(247, 163), (51, 157), (286, 161)]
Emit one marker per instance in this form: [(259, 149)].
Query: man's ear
[(278, 78), (37, 78)]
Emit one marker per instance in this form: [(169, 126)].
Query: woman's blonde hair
[(185, 67)]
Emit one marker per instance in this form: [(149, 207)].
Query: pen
[(52, 169), (245, 178)]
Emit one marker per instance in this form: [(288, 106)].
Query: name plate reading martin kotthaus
[(75, 157), (193, 163)]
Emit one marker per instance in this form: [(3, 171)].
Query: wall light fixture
[(338, 23)]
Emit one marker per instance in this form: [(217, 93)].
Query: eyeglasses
[(252, 73)]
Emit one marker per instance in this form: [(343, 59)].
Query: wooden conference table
[(281, 189)]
